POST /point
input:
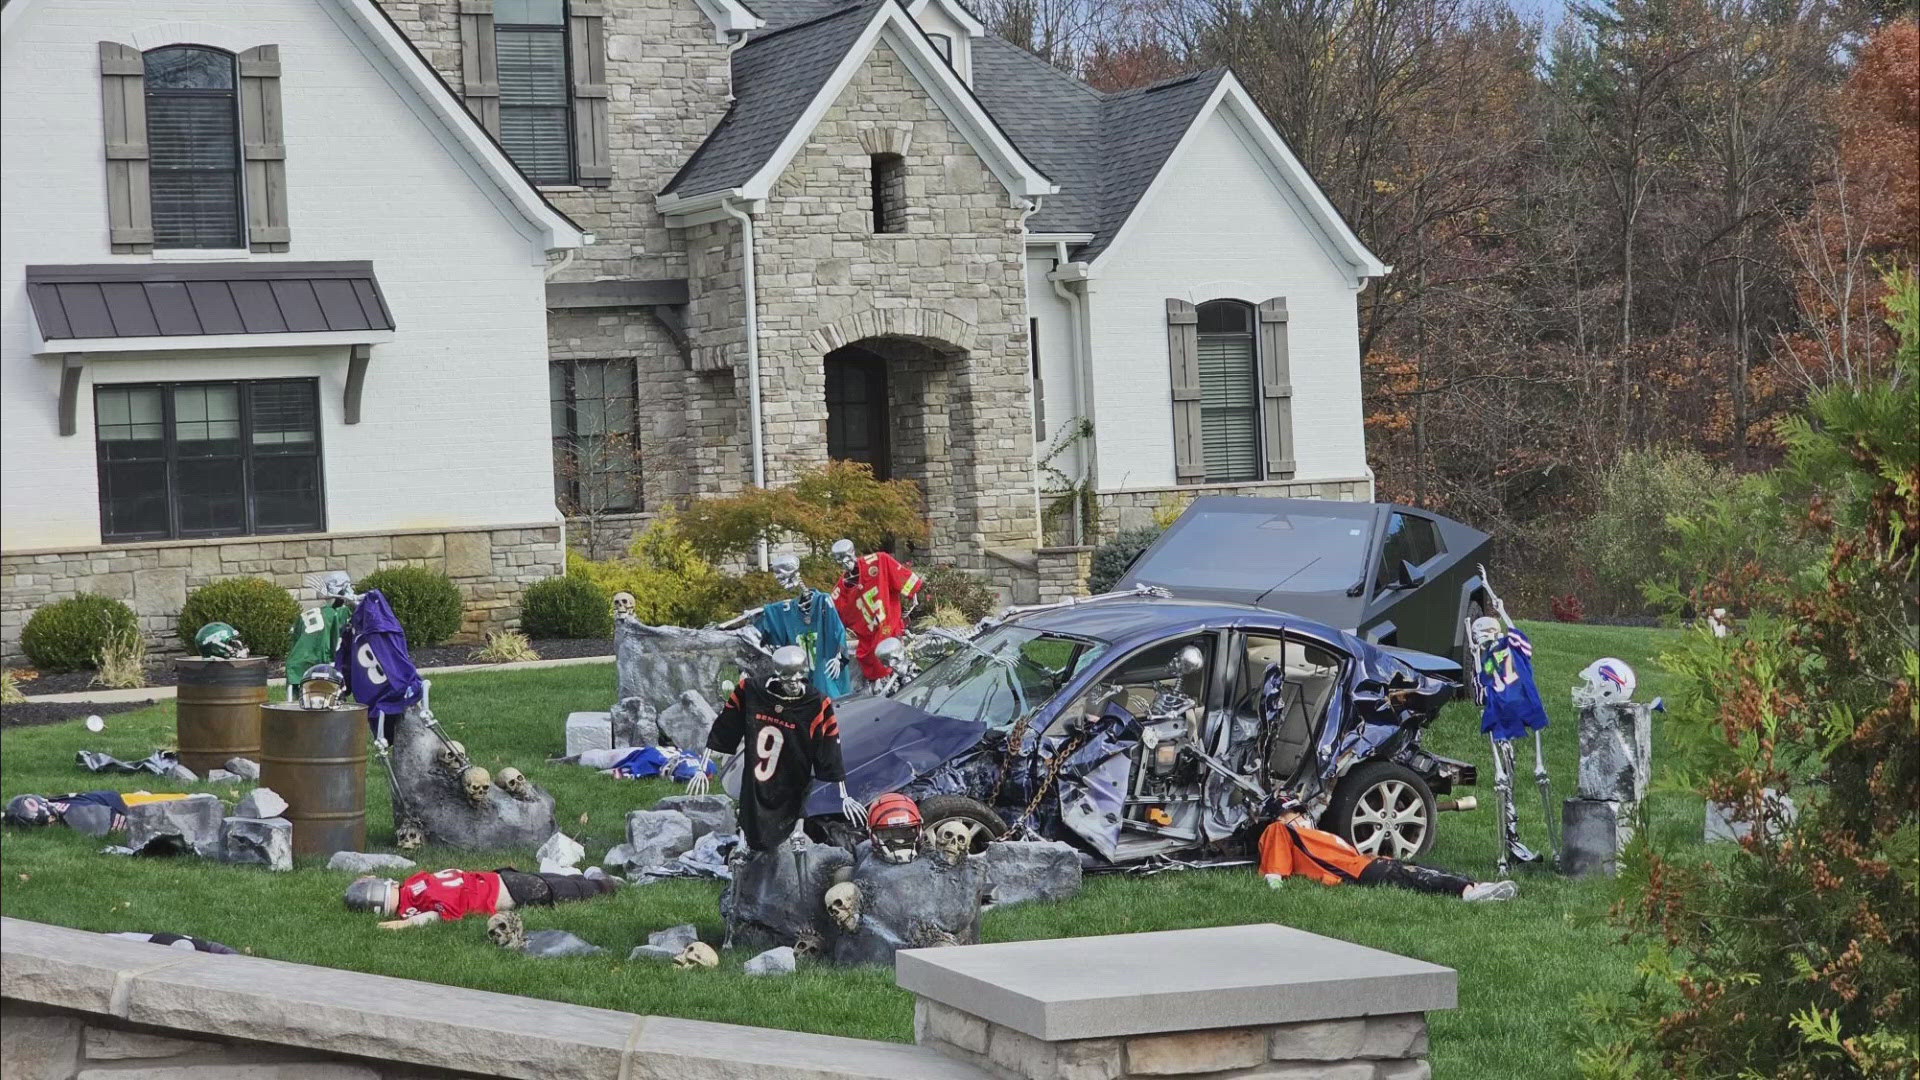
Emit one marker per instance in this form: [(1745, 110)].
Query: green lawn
[(1522, 965)]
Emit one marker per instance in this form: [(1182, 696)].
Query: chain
[(1015, 740), (1071, 748)]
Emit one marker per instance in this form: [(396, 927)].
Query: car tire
[(1383, 809), (987, 825)]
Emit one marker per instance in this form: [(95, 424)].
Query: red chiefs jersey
[(451, 894), (870, 605)]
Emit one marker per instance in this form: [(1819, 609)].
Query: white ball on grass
[(94, 723)]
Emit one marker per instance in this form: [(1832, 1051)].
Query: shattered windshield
[(1007, 673), (1295, 551)]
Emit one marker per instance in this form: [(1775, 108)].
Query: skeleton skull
[(786, 570), (514, 782), (698, 954), (476, 781), (623, 606), (507, 930), (845, 555), (453, 756), (409, 836), (843, 906), (1485, 631), (953, 838), (807, 943)]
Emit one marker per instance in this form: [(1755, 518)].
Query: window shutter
[(587, 37), (1183, 348), (129, 194), (263, 139), (479, 64), (1276, 389)]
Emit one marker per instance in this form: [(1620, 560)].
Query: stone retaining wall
[(492, 566)]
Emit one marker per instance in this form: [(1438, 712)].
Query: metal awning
[(132, 304)]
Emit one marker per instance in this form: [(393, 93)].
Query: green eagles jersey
[(316, 636)]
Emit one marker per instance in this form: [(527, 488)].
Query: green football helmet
[(218, 641)]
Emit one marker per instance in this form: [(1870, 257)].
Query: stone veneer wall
[(492, 566), (1135, 508), (1392, 1047)]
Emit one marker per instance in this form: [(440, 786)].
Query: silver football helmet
[(370, 893), (321, 687), (789, 682)]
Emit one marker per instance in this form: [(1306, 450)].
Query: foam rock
[(432, 796), (772, 962), (222, 776), (261, 802), (245, 768), (687, 722), (652, 952), (657, 837), (777, 895), (176, 826), (633, 722), (362, 862), (1022, 871), (264, 842), (674, 938), (708, 813), (657, 664), (560, 854), (547, 944), (589, 731)]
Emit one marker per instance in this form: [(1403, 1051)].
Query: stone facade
[(492, 567)]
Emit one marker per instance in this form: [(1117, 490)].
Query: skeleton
[(514, 782), (507, 930), (843, 906), (808, 944), (409, 837), (453, 757), (623, 606), (1483, 634), (698, 954), (476, 781), (953, 838)]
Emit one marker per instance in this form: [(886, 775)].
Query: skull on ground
[(514, 782), (954, 838), (453, 757), (507, 930), (807, 943), (843, 906), (409, 836), (698, 954), (476, 781)]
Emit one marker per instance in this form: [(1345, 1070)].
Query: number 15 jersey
[(789, 745)]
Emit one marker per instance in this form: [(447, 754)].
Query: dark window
[(1412, 540), (943, 45), (596, 445), (1229, 392), (193, 146), (181, 460), (889, 193), (1039, 387), (536, 121)]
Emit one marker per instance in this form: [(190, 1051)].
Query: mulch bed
[(31, 713), (161, 673)]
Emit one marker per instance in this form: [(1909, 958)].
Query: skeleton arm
[(698, 785), (425, 918), (853, 809)]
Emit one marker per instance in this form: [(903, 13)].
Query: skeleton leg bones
[(1511, 849), (1545, 784)]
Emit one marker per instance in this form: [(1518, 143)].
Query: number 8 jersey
[(789, 744)]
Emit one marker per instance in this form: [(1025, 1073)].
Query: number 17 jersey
[(789, 745)]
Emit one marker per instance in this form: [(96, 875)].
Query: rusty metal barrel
[(219, 710), (316, 759)]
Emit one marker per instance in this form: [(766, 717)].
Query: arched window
[(1229, 392), (193, 138)]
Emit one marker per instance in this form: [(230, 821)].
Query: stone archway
[(893, 402)]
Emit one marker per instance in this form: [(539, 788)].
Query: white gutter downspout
[(1030, 208), (752, 299), (1080, 349)]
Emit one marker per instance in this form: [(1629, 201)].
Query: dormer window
[(943, 44), (889, 173)]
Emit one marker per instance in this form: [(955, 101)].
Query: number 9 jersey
[(789, 744)]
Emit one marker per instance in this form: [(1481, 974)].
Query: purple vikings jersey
[(373, 657)]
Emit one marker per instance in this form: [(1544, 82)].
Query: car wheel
[(1383, 809), (979, 818)]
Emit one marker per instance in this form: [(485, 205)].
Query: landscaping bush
[(10, 692), (261, 611), (426, 602), (948, 587), (567, 607), (505, 647), (727, 595), (68, 634), (1111, 559), (121, 663), (669, 580), (839, 499), (1640, 493)]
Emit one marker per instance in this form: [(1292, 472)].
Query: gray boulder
[(1732, 823), (653, 952), (560, 854), (362, 862), (261, 802), (659, 663), (633, 722), (1021, 871), (618, 859), (778, 895), (176, 826), (222, 776), (674, 938), (927, 903), (657, 837), (687, 722), (431, 795), (708, 813), (183, 774), (772, 962), (264, 842), (547, 944), (245, 768)]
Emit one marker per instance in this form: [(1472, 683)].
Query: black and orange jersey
[(789, 745)]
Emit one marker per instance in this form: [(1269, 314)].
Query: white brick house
[(270, 302)]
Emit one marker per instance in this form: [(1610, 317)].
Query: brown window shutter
[(264, 142), (1276, 389), (123, 95), (1183, 348), (587, 36), (479, 63)]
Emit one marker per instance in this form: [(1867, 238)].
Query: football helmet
[(893, 823)]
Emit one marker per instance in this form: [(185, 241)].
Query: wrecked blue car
[(1144, 727)]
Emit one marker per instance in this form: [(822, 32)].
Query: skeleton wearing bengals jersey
[(790, 743), (868, 598)]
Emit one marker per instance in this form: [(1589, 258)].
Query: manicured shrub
[(426, 602), (671, 583), (68, 634), (948, 587), (839, 499), (727, 595), (566, 607), (1111, 559), (506, 647), (261, 611)]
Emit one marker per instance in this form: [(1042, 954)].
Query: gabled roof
[(492, 166), (786, 79)]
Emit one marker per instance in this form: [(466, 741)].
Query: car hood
[(886, 744)]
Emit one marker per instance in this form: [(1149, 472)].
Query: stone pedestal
[(1616, 752), (1238, 1001), (1593, 833), (589, 731)]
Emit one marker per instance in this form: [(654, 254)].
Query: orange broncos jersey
[(1322, 856)]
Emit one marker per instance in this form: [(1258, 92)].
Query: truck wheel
[(978, 817), (1383, 809)]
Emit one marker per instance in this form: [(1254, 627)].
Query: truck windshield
[(1294, 551), (1009, 673)]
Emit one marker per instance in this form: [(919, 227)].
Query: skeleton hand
[(1500, 606), (395, 924), (853, 809), (698, 785), (834, 665)]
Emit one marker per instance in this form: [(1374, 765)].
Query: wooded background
[(1645, 227)]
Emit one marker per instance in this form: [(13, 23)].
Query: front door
[(857, 410)]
